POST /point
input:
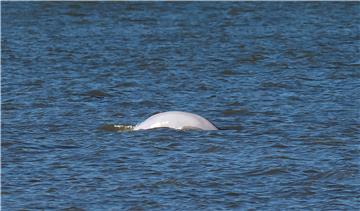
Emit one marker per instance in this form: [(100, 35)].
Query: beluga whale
[(178, 120)]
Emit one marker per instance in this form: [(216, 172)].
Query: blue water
[(280, 79)]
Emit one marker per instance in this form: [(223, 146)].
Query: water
[(280, 79)]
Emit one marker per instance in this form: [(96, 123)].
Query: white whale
[(177, 120)]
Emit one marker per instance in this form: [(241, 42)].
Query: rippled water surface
[(280, 79)]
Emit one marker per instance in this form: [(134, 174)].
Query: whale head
[(178, 120)]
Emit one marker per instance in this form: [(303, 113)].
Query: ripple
[(267, 172), (279, 146), (8, 106), (213, 149), (243, 111), (232, 194), (116, 128), (228, 73), (6, 144), (74, 14), (273, 85), (96, 94), (73, 209)]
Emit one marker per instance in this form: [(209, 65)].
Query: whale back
[(177, 120)]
